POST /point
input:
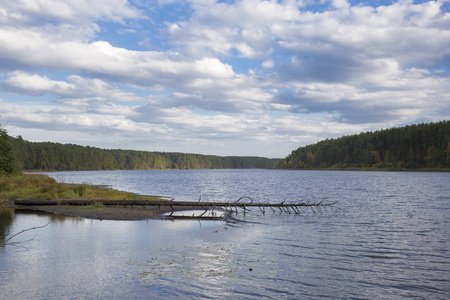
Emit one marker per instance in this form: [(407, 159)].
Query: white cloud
[(75, 87), (403, 97), (70, 11), (145, 68), (242, 26), (242, 75), (36, 85), (255, 28)]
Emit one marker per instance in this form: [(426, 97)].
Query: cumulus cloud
[(68, 11), (352, 34), (223, 28), (381, 99), (74, 87), (229, 75)]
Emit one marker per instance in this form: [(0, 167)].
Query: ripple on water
[(391, 241)]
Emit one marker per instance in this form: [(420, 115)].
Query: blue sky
[(246, 77)]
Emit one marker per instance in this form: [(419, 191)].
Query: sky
[(244, 77)]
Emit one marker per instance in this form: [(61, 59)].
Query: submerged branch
[(7, 241)]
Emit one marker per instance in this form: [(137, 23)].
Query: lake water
[(388, 238)]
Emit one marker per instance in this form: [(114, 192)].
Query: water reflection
[(6, 219), (51, 217)]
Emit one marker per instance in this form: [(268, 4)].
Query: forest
[(420, 146), (48, 156)]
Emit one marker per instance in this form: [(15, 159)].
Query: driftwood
[(283, 207)]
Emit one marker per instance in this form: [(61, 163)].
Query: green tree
[(448, 153), (6, 154), (310, 159), (432, 157), (374, 157)]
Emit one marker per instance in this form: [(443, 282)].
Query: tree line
[(425, 145), (50, 156)]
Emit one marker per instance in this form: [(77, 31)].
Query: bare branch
[(6, 242)]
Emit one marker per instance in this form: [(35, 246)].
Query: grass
[(39, 186)]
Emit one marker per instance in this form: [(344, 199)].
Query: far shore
[(369, 169)]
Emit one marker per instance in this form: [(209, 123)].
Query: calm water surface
[(392, 242)]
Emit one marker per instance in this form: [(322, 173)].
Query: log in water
[(203, 205)]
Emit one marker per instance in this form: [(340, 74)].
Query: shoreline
[(367, 169), (41, 186)]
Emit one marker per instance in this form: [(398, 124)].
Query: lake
[(387, 238)]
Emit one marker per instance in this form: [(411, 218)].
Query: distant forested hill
[(59, 157), (409, 147)]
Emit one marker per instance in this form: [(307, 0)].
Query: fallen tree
[(286, 207)]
